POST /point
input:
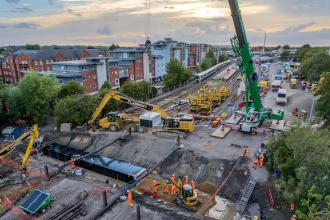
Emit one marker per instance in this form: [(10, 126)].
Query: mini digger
[(187, 197)]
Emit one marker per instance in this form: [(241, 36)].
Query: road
[(296, 97)]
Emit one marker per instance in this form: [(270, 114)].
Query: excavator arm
[(34, 134), (128, 100)]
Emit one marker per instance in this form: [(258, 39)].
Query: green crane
[(255, 112)]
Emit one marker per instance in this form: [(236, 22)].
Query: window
[(40, 62), (116, 82), (95, 86), (132, 77), (36, 62), (24, 62), (84, 78), (94, 77)]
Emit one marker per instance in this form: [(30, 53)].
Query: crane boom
[(34, 133), (242, 49), (128, 100)]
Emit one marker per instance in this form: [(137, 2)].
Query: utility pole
[(264, 42)]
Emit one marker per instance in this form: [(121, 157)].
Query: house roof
[(49, 54)]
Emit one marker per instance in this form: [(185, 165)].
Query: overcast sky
[(102, 22)]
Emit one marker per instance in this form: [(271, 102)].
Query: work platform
[(234, 119), (221, 132), (227, 73)]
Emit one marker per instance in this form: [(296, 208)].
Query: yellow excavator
[(115, 120), (33, 134)]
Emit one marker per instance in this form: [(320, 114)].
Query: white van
[(282, 97)]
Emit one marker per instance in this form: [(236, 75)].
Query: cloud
[(3, 26), (71, 12), (26, 25), (23, 9), (13, 1), (104, 31), (298, 28)]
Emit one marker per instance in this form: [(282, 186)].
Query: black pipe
[(138, 212), (46, 173), (105, 202)]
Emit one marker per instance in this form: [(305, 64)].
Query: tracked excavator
[(255, 111), (33, 134), (115, 120)]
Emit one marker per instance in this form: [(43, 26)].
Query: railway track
[(232, 84)]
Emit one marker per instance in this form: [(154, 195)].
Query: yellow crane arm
[(34, 138), (128, 100), (99, 109), (9, 148), (34, 133)]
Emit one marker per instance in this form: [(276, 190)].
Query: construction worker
[(255, 163), (246, 151), (293, 217), (172, 178), (154, 186), (173, 189), (261, 159), (193, 185), (292, 206), (166, 189), (72, 165), (186, 180), (130, 198), (180, 183)]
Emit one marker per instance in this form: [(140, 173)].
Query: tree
[(113, 46), (199, 69), (38, 92), (323, 103), (138, 90), (32, 47), (4, 90), (222, 58), (302, 155), (286, 47), (15, 108), (285, 55), (314, 66), (71, 88), (209, 60), (177, 74), (75, 109), (106, 85)]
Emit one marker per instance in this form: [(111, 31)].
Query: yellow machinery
[(205, 99), (315, 87), (293, 83), (115, 121), (33, 134), (187, 196)]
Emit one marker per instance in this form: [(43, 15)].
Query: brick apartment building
[(13, 65), (196, 54), (130, 64), (90, 73)]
